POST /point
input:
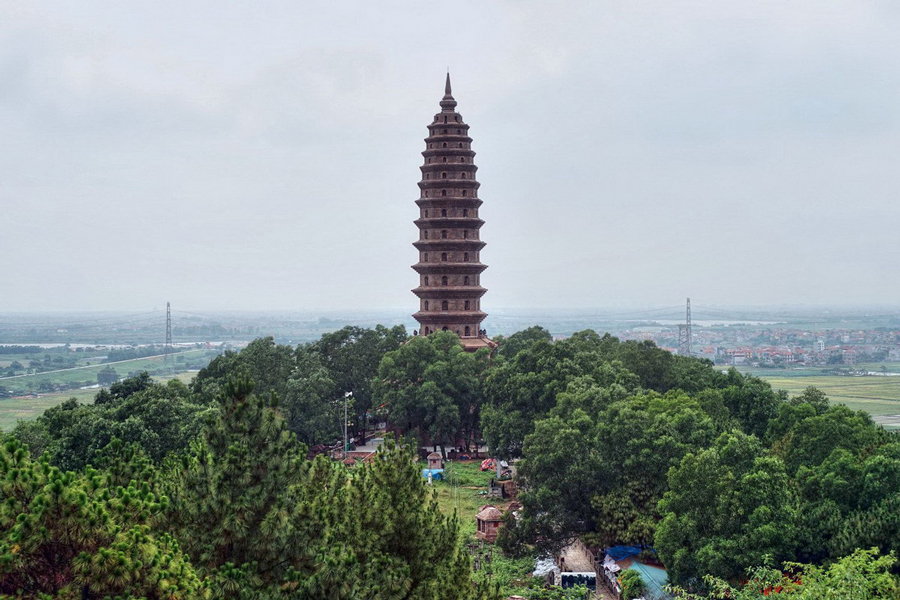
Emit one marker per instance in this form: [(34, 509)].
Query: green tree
[(310, 402), (107, 376), (267, 364), (632, 585), (234, 499), (392, 538), (68, 535), (862, 575), (160, 417), (521, 340), (432, 384), (727, 508), (597, 466), (351, 357)]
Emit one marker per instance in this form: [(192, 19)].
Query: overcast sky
[(247, 155)]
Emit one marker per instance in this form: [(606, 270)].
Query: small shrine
[(488, 520), (435, 460)]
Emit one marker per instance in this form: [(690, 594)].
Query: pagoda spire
[(448, 104), (449, 241)]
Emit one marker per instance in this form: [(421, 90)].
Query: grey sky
[(265, 155)]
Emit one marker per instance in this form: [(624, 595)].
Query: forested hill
[(206, 491)]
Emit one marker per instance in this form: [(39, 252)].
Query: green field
[(24, 384), (30, 407), (879, 396), (15, 409)]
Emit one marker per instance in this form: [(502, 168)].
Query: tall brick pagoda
[(449, 242)]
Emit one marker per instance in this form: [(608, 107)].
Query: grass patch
[(463, 490), (13, 410)]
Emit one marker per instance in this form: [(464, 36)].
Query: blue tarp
[(436, 474), (618, 553)]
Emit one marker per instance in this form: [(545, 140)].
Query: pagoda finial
[(447, 103)]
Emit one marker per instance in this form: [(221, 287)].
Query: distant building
[(449, 242)]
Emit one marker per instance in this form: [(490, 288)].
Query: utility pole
[(168, 348), (685, 335), (346, 444), (690, 335)]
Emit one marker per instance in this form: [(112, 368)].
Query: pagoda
[(449, 241)]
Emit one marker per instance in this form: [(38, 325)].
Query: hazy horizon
[(223, 156)]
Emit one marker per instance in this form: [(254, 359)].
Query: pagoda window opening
[(456, 118), (443, 176), (443, 192), (443, 257), (458, 131), (444, 280), (467, 308), (426, 210), (445, 145), (425, 258), (463, 175), (465, 210), (465, 234), (465, 194), (460, 145), (443, 234), (443, 212), (444, 159), (468, 331), (445, 305), (426, 305), (429, 146), (426, 280), (427, 175), (466, 280), (445, 120), (465, 257), (444, 328), (425, 233), (444, 130)]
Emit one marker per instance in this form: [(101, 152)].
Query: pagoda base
[(477, 342)]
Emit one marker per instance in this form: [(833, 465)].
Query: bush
[(632, 584)]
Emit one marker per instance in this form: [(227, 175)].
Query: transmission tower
[(168, 348), (684, 333)]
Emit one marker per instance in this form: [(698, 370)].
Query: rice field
[(878, 396), (26, 408)]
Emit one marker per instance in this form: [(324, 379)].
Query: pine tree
[(71, 535), (390, 535), (238, 498)]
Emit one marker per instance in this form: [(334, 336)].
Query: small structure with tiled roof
[(488, 521), (435, 460)]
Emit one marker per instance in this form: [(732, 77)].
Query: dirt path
[(577, 561)]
